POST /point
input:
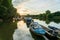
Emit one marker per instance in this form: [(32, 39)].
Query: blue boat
[(37, 28)]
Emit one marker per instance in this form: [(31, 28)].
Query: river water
[(57, 25), (22, 32)]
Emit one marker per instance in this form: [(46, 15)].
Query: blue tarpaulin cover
[(39, 31)]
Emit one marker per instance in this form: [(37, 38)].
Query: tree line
[(47, 16)]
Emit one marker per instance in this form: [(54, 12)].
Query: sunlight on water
[(22, 32)]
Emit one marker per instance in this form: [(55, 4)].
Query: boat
[(28, 20), (53, 28), (54, 31), (37, 29)]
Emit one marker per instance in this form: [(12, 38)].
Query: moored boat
[(37, 29), (54, 31), (28, 20)]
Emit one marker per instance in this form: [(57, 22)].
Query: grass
[(6, 30)]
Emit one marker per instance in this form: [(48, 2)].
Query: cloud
[(17, 2), (38, 5)]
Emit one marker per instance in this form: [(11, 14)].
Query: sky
[(36, 6)]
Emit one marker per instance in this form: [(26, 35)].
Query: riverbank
[(6, 30)]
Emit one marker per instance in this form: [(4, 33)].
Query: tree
[(48, 12), (7, 11)]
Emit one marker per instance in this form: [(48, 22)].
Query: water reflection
[(57, 25), (22, 32)]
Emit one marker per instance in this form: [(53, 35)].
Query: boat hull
[(35, 33)]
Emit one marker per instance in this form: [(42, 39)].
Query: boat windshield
[(35, 25)]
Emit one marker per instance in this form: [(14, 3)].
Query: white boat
[(37, 28), (54, 31)]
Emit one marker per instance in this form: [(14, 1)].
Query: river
[(22, 32), (57, 25)]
